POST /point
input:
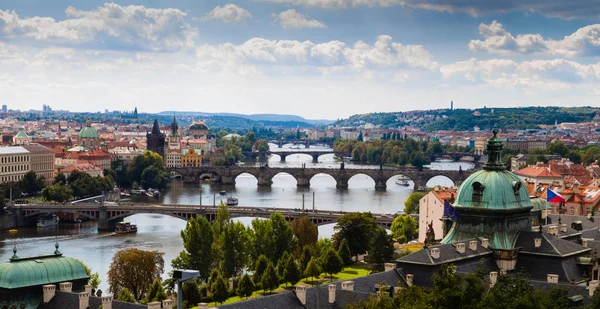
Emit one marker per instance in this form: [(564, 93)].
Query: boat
[(125, 194), (149, 192), (156, 193), (403, 183), (48, 221), (445, 160), (232, 201), (125, 228), (223, 192), (137, 192), (12, 231)]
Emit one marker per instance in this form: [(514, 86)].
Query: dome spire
[(494, 152)]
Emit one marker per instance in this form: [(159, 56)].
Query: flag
[(449, 211), (552, 196)]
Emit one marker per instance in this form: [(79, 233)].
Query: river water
[(160, 232)]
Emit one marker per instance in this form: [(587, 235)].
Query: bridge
[(264, 175), (457, 156), (108, 215), (306, 143), (314, 154)]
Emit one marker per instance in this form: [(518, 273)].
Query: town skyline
[(311, 58)]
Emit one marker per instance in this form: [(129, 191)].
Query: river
[(160, 232)]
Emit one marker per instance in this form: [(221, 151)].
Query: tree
[(60, 178), (235, 252), (156, 292), (356, 228), (146, 160), (95, 280), (218, 290), (31, 183), (344, 253), (332, 264), (260, 267), (557, 148), (292, 273), (126, 296), (135, 269), (154, 177), (312, 269), (269, 280), (261, 145), (404, 228), (281, 263), (233, 153), (411, 205), (305, 231), (197, 242), (283, 236), (360, 137), (245, 287), (110, 172), (381, 248), (307, 255), (261, 239), (251, 137), (57, 192)]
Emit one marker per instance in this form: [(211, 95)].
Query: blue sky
[(315, 58)]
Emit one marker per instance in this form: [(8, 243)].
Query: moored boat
[(125, 228), (232, 201), (48, 221)]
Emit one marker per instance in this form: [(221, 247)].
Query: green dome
[(88, 131), (493, 190), (539, 204), (25, 272)]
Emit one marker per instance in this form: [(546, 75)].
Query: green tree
[(218, 290), (245, 287), (411, 205), (381, 248), (60, 178), (156, 292), (305, 231), (404, 228), (251, 137), (197, 242), (260, 267), (235, 251), (292, 273), (332, 263), (307, 255), (233, 153), (110, 172), (261, 238), (31, 183), (146, 265), (281, 263), (261, 145), (356, 228), (269, 280), (312, 269), (57, 192), (283, 236), (146, 160), (344, 253), (126, 296), (154, 177), (95, 280), (557, 148)]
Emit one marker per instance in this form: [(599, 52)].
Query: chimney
[(535, 228), (65, 286), (88, 288), (300, 293), (202, 306), (389, 266), (155, 305), (473, 245), (545, 213), (84, 300), (552, 278), (553, 230), (331, 293), (49, 292), (593, 286), (586, 242), (485, 242), (166, 304), (435, 253), (493, 278), (537, 242), (460, 247), (409, 279), (348, 285), (563, 227), (107, 302)]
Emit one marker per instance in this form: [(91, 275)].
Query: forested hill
[(466, 119)]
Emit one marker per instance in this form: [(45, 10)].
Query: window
[(572, 210), (477, 191)]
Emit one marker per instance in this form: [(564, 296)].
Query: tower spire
[(155, 128), (494, 149)]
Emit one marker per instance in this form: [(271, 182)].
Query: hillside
[(272, 118), (485, 118)]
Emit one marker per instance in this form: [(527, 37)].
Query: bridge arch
[(441, 179), (282, 179), (401, 180), (372, 181), (327, 179)]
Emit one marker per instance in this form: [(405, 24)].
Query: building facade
[(42, 161), (191, 157), (431, 211), (155, 141), (198, 129), (14, 163)]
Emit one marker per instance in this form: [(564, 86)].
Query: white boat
[(48, 221), (125, 228), (232, 201), (403, 183)]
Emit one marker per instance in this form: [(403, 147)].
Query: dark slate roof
[(569, 233), (551, 245), (448, 254), (568, 219), (572, 289), (282, 300), (64, 300)]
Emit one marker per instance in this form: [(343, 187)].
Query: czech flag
[(554, 197)]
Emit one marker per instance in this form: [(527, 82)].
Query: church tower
[(155, 141)]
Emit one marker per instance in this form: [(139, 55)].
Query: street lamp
[(181, 276)]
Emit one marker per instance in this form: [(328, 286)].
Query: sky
[(320, 59)]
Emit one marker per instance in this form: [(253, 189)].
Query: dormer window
[(477, 191), (516, 187)]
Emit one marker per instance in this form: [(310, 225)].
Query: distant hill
[(257, 117), (484, 118)]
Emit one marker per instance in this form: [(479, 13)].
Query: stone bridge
[(306, 143), (108, 216), (227, 175), (314, 154)]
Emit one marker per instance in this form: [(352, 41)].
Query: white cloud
[(110, 26), (551, 8), (585, 40), (228, 13), (293, 19)]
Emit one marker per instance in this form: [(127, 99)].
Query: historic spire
[(174, 127), (494, 152), (155, 128)]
